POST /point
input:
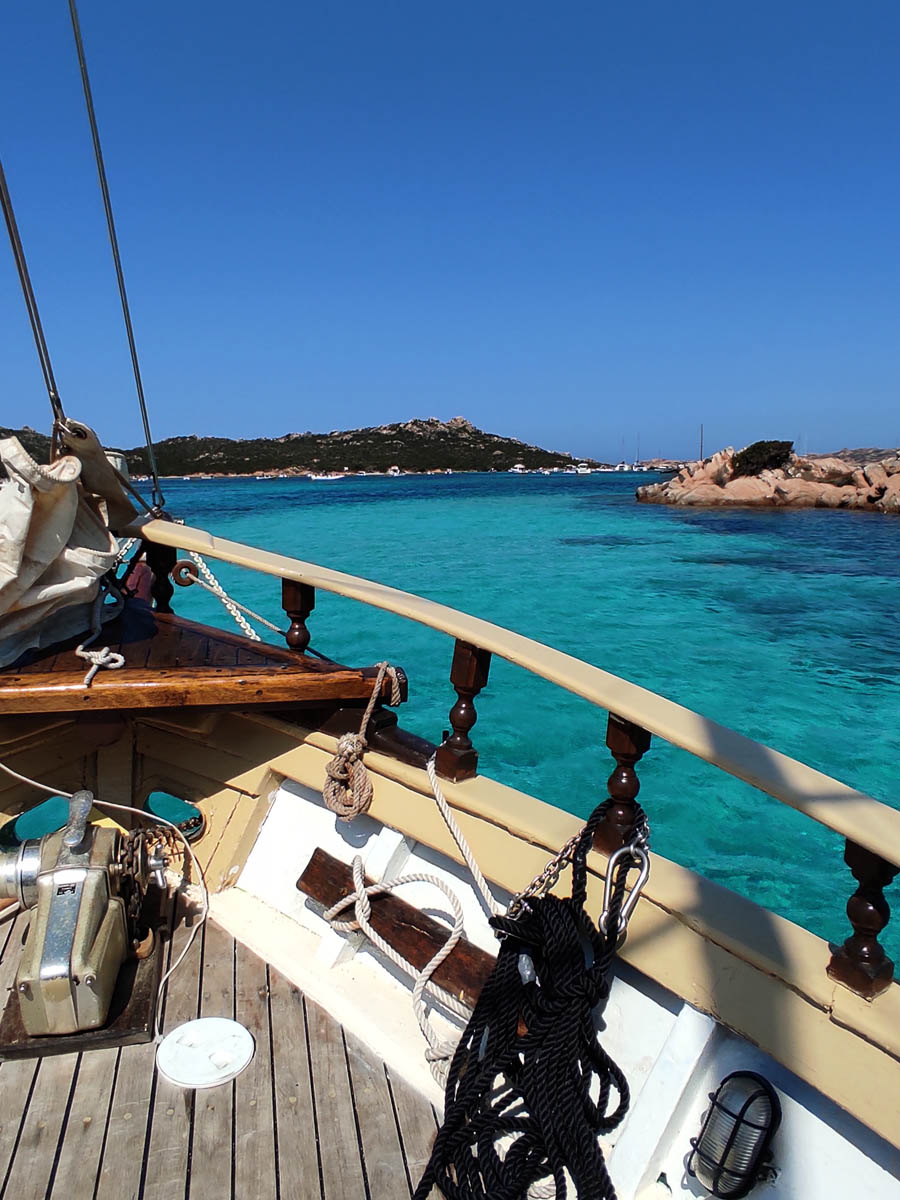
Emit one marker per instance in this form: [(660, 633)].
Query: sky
[(579, 224)]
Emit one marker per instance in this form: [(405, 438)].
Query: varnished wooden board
[(143, 689), (173, 662)]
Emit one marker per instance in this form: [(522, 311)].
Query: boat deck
[(315, 1115), (174, 662)]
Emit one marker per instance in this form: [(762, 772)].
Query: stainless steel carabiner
[(636, 851)]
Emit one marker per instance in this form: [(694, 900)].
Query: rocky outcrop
[(803, 483)]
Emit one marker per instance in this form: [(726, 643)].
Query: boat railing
[(870, 828)]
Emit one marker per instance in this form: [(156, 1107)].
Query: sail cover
[(54, 548)]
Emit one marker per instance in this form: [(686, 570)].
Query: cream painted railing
[(868, 825)]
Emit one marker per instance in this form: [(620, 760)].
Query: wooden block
[(413, 934)]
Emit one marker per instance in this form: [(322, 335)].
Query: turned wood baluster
[(628, 743), (160, 560), (298, 600), (861, 963), (457, 758)]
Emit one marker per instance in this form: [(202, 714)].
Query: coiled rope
[(348, 788), (530, 1087)]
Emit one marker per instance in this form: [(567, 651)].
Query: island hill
[(423, 444), (770, 475)]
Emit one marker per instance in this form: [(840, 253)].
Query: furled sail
[(54, 549)]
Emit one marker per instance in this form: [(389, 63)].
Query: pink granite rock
[(700, 493), (875, 474), (798, 493), (747, 489), (830, 470), (832, 496)]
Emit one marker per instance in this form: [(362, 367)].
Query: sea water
[(781, 624)]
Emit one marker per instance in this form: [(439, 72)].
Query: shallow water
[(781, 624)]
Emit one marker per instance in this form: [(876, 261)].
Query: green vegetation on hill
[(418, 445)]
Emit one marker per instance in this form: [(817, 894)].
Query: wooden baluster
[(160, 560), (457, 758), (298, 600), (628, 743), (861, 963)]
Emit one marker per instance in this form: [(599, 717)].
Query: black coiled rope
[(530, 1087)]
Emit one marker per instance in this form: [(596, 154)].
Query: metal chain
[(548, 878), (637, 849)]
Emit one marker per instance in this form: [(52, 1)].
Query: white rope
[(211, 584), (147, 816), (493, 908), (123, 550), (104, 657), (440, 1050)]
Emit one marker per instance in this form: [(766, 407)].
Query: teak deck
[(173, 662), (315, 1116)]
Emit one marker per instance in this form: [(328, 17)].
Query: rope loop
[(439, 1050), (100, 614)]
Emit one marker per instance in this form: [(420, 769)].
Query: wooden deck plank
[(15, 1077), (418, 1125), (211, 1147), (82, 1147), (298, 1158), (254, 1124), (382, 1150), (32, 1168), (168, 1142), (342, 1170)]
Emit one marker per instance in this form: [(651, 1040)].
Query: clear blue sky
[(571, 223)]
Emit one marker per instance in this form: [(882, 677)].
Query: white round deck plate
[(205, 1052)]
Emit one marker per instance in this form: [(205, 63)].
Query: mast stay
[(158, 499)]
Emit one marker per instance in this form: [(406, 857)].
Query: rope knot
[(348, 788)]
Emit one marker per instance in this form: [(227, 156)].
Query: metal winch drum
[(85, 885)]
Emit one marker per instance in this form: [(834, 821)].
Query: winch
[(86, 885)]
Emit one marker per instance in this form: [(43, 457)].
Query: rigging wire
[(30, 302), (158, 499)]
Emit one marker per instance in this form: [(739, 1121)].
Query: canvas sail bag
[(54, 549)]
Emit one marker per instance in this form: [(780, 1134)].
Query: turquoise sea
[(780, 624)]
